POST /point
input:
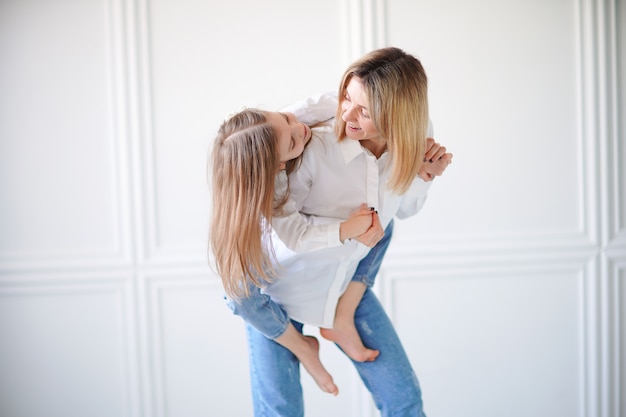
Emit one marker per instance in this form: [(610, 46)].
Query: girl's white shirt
[(314, 266)]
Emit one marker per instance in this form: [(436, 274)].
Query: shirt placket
[(372, 182)]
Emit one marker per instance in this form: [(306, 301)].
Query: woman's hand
[(436, 160)]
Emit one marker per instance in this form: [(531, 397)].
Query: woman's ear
[(282, 166)]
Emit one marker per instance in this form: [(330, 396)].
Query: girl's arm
[(301, 232)]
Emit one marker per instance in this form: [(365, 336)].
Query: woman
[(382, 120)]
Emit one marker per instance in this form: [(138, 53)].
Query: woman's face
[(292, 135), (355, 112)]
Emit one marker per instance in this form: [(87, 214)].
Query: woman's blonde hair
[(397, 89), (244, 163)]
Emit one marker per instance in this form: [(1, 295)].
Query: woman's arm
[(436, 160), (315, 109), (413, 200)]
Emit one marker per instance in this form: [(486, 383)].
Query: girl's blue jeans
[(275, 371)]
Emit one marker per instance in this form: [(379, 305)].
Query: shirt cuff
[(333, 235)]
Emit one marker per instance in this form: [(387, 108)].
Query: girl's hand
[(359, 222), (376, 232), (436, 160)]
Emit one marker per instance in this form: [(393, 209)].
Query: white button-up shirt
[(334, 179)]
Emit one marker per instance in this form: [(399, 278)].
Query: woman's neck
[(375, 146)]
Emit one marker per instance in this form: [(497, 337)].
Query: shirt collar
[(350, 149)]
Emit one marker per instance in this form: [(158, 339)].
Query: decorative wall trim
[(78, 285), (152, 288), (619, 341), (144, 159), (120, 253), (44, 261), (587, 250), (599, 118), (510, 246), (582, 276), (596, 252), (150, 247), (366, 27), (615, 319)]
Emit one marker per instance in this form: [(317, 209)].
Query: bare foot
[(348, 339), (311, 362)]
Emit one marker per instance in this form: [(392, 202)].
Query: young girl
[(252, 155)]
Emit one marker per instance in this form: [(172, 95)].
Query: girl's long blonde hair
[(397, 89), (244, 163)]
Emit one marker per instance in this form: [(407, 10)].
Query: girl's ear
[(282, 166)]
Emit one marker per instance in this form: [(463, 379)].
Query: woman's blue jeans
[(275, 371)]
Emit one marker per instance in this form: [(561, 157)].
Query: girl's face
[(355, 112), (292, 135)]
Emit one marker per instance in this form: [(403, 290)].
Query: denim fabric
[(368, 267), (390, 378), (260, 311), (274, 377), (275, 372)]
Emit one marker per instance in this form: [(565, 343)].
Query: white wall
[(507, 289)]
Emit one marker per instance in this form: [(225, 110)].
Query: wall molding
[(491, 246), (600, 143), (596, 252), (120, 287), (121, 253), (365, 23), (152, 288), (141, 266), (391, 277)]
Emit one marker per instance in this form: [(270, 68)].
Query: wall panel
[(59, 168), (487, 337), (198, 348), (198, 354), (203, 61), (492, 82), (509, 285), (541, 103), (67, 347)]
